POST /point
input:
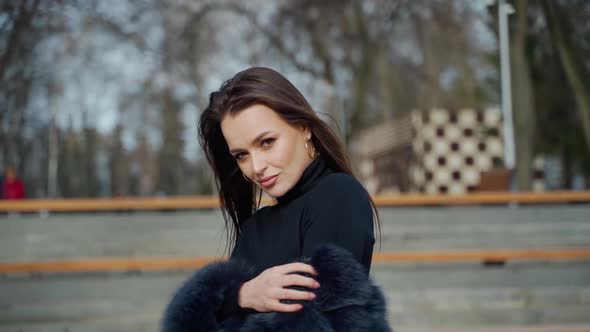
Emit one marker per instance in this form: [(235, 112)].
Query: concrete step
[(200, 233), (457, 299), (492, 318), (424, 296), (487, 214), (138, 324), (516, 328), (521, 275), (457, 307)]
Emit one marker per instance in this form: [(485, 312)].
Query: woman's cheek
[(287, 153)]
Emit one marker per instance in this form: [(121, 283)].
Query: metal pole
[(504, 10)]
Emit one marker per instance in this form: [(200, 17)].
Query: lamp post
[(505, 9)]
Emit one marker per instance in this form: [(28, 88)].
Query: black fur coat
[(346, 301)]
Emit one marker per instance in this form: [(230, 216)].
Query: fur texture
[(346, 301)]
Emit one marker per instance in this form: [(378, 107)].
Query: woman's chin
[(274, 192)]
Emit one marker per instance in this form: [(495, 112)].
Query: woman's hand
[(264, 292)]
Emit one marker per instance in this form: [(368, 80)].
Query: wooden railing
[(210, 202), (180, 263)]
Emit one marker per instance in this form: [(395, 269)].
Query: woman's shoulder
[(260, 213), (338, 197), (337, 186), (263, 213), (340, 181)]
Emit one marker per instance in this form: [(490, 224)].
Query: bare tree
[(524, 116), (573, 66)]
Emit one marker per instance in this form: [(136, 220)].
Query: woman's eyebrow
[(254, 141)]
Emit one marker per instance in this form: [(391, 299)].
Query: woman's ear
[(307, 132)]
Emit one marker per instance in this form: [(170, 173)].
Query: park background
[(99, 102), (101, 99)]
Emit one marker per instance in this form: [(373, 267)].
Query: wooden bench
[(180, 263), (211, 202)]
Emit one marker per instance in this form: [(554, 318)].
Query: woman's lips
[(269, 181)]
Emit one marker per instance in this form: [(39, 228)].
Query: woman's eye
[(268, 142), (239, 156)]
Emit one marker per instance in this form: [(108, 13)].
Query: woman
[(12, 187), (260, 134)]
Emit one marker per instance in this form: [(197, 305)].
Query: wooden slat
[(483, 256), (106, 264), (111, 204), (209, 202), (485, 198), (173, 263)]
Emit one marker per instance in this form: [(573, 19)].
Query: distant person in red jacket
[(1, 183), (13, 186)]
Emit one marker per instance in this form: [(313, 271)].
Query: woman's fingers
[(291, 294), (296, 267), (264, 292), (298, 280), (281, 307)]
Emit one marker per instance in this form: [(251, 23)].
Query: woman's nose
[(258, 164)]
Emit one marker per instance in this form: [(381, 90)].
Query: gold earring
[(312, 156)]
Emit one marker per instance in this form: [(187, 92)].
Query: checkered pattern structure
[(436, 152), (453, 147)]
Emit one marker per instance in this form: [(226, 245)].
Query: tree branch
[(21, 22)]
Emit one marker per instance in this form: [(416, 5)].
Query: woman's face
[(268, 150)]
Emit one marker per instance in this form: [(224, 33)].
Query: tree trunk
[(362, 72), (573, 69), (119, 165), (171, 161), (54, 89), (524, 116), (430, 67)]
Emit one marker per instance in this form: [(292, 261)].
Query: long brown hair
[(259, 85)]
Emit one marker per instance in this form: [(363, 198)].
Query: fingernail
[(317, 284), (312, 296)]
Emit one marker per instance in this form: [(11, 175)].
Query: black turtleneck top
[(323, 207)]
